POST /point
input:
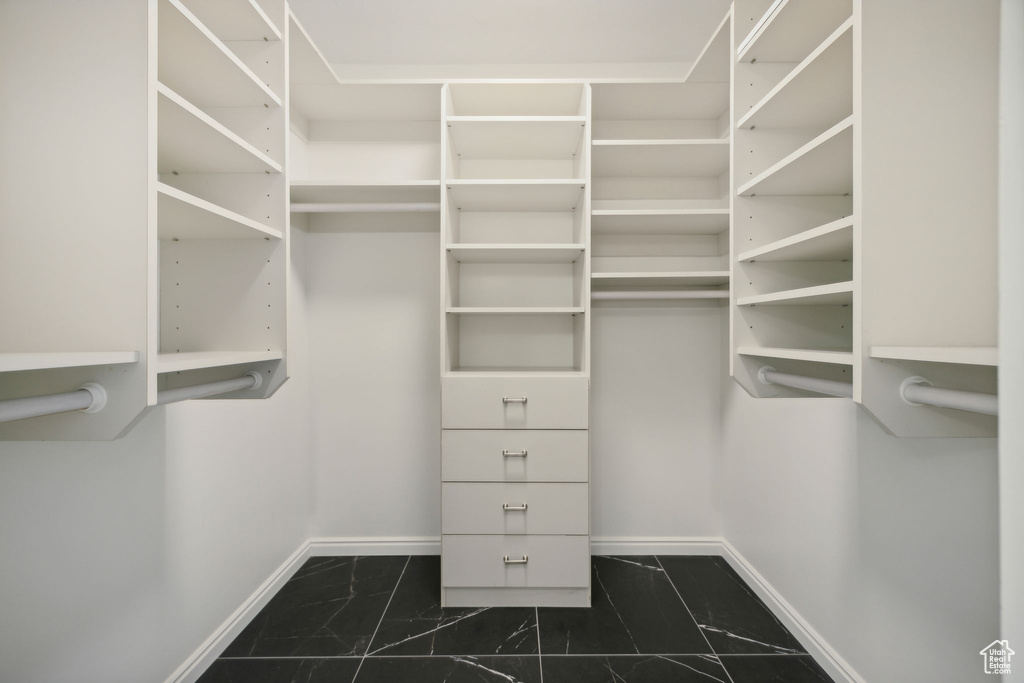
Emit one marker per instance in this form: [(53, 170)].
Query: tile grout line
[(540, 658), (690, 612), (381, 620)]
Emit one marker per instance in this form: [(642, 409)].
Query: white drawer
[(514, 455), (551, 561), (514, 508), (511, 402)]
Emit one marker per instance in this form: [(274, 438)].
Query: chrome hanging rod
[(90, 398), (917, 391), (768, 375), (251, 380)]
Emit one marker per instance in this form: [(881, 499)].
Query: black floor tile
[(634, 611), (281, 671), (454, 669), (774, 669), (633, 669), (732, 617), (331, 607), (415, 624)]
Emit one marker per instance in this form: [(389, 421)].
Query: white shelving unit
[(199, 360), (185, 216), (836, 357), (661, 168)]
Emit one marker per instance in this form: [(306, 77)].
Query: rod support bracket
[(761, 374), (909, 381), (99, 397)]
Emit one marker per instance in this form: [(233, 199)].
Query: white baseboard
[(816, 646), (655, 545), (834, 665), (202, 658), (331, 546)]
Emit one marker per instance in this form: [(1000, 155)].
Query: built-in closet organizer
[(515, 295), (153, 266)]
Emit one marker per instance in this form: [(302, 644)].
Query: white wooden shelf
[(181, 215), (516, 137), (198, 64), (714, 62), (373, 105), (514, 310), (198, 360), (516, 253), (326, 191), (836, 294), (790, 29), (659, 221), (515, 195), (830, 242), (835, 357), (660, 158), (491, 98), (190, 141), (816, 94), (234, 19), (824, 166), (306, 64), (606, 281), (514, 371), (660, 101), (958, 355), (17, 362)]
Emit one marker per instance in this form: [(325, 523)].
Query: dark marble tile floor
[(379, 619)]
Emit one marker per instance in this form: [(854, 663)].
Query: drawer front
[(514, 455), (512, 508), (551, 561), (514, 402)]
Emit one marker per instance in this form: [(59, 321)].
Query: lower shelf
[(959, 355), (659, 279), (15, 362), (197, 360), (834, 356)]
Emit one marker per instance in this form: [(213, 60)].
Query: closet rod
[(90, 398), (917, 391), (769, 375), (383, 207), (250, 380), (661, 294)]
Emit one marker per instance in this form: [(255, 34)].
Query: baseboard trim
[(331, 546), (834, 665), (655, 545), (204, 656)]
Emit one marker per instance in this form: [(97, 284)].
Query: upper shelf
[(367, 102), (659, 158), (516, 99), (604, 281), (15, 362), (659, 221), (790, 29), (824, 166), (306, 64), (830, 242), (713, 63), (516, 137), (839, 293), (413, 191), (515, 195), (181, 215), (833, 356), (516, 253), (234, 19), (817, 93), (189, 141), (959, 355), (196, 63)]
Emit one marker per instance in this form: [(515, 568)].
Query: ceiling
[(509, 31)]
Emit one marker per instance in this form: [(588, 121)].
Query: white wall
[(1011, 313), (655, 421), (118, 559), (887, 547)]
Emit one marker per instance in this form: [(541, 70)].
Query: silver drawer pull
[(509, 560), (514, 454), (514, 508), (509, 399)]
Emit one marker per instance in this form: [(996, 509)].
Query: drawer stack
[(515, 492)]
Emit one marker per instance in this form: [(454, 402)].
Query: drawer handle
[(509, 560), (514, 454), (509, 399), (514, 508)]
